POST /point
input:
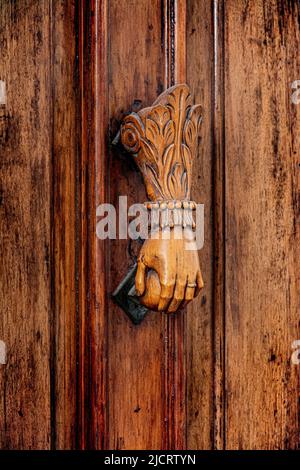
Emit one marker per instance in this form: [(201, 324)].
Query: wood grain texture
[(25, 167), (219, 235), (200, 77), (78, 373), (92, 257), (64, 205), (262, 224)]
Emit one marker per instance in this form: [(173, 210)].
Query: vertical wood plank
[(262, 224), (219, 237), (200, 77), (65, 128), (92, 387), (25, 166)]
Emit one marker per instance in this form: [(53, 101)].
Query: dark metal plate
[(126, 298)]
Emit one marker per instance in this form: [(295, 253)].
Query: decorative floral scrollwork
[(163, 139)]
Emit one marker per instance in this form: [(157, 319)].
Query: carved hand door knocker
[(163, 140)]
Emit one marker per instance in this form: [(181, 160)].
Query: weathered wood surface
[(200, 313), (25, 167), (262, 145), (38, 195), (255, 182), (65, 220), (93, 253), (78, 373)]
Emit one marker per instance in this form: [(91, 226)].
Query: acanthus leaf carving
[(163, 140)]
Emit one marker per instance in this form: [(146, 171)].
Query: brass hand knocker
[(163, 140)]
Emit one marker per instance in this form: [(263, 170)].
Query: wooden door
[(76, 373)]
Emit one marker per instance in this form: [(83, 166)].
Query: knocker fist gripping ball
[(163, 140), (151, 295), (168, 274)]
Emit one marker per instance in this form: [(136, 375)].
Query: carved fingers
[(168, 276), (200, 283), (178, 297), (140, 281), (151, 294), (166, 296)]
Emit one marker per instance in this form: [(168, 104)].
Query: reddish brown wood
[(65, 153), (201, 313), (25, 189), (219, 236), (262, 224), (78, 373), (93, 431)]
